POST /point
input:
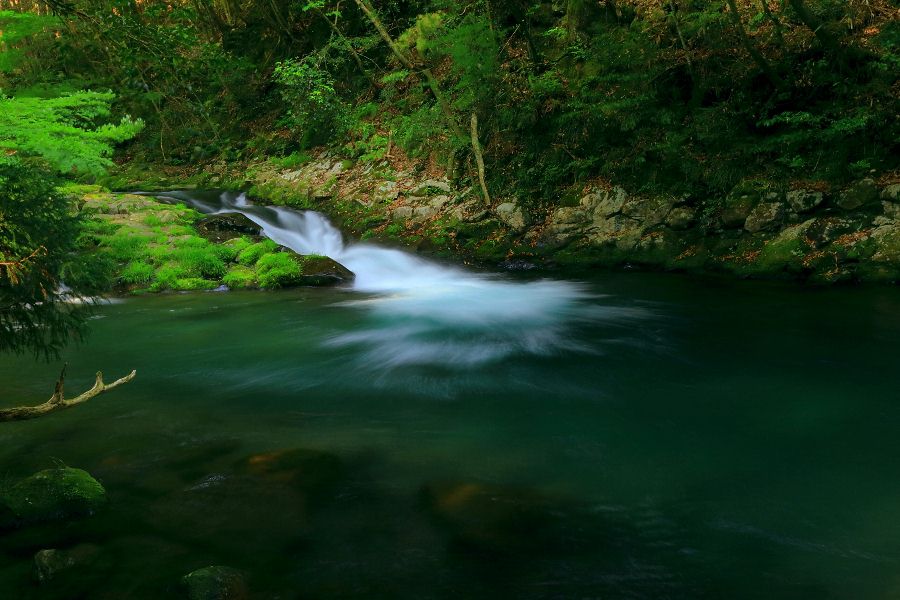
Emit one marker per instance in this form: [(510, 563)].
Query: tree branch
[(58, 400)]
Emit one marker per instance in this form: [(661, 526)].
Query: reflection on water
[(424, 313)]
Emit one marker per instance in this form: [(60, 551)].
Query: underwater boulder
[(51, 562), (215, 583), (311, 471), (51, 494)]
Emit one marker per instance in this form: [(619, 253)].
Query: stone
[(891, 209), (736, 210), (862, 193), (52, 494), (649, 212), (401, 213), (605, 203), (224, 227), (438, 202), (426, 187), (215, 583), (320, 271), (312, 471), (766, 216), (887, 245), (513, 216), (423, 213), (891, 193), (569, 215), (387, 191), (802, 201), (682, 217), (49, 563)]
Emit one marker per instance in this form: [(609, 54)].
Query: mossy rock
[(215, 583), (58, 493), (285, 268), (220, 228)]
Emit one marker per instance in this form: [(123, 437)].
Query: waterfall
[(425, 312)]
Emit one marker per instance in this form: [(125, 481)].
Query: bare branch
[(58, 400)]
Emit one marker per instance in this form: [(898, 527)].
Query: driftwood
[(58, 400)]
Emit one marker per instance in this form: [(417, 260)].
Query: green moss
[(252, 253), (55, 494), (240, 277), (277, 270)]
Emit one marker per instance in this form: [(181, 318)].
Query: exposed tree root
[(58, 401)]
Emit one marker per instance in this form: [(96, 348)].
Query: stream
[(434, 432)]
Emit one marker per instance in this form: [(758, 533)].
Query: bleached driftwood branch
[(58, 400)]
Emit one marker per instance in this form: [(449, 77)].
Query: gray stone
[(605, 203), (513, 216), (387, 190), (802, 201), (49, 563), (648, 211), (681, 218), (860, 194), (438, 202), (891, 209), (430, 184), (736, 210), (402, 213), (220, 228), (891, 193), (766, 216), (569, 215), (423, 213)]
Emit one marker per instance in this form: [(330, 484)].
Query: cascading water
[(424, 312)]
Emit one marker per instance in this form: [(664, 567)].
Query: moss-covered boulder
[(285, 268), (215, 583), (51, 494), (220, 228)]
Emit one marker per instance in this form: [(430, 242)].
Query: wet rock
[(49, 563), (221, 228), (215, 583), (517, 264), (513, 216), (681, 218), (428, 187), (861, 194), (802, 201), (494, 519), (318, 271), (59, 493), (766, 216), (311, 471)]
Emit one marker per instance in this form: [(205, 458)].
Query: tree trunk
[(758, 58), (479, 159), (825, 37)]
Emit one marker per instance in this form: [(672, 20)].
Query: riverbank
[(803, 231)]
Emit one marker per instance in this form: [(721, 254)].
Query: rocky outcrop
[(224, 227)]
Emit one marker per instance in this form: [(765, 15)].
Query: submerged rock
[(58, 493), (220, 228), (49, 563), (312, 471), (215, 583), (493, 518)]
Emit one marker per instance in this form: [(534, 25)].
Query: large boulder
[(765, 216), (649, 212), (513, 216), (51, 494), (682, 217), (215, 583), (736, 209), (802, 201), (220, 228), (859, 195), (313, 472), (288, 269)]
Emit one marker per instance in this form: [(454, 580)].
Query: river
[(479, 435)]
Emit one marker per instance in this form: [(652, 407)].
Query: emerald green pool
[(655, 437)]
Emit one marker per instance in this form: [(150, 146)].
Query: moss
[(137, 272), (58, 493), (240, 277), (277, 269), (215, 583), (251, 254)]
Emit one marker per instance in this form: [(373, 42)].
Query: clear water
[(687, 439)]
